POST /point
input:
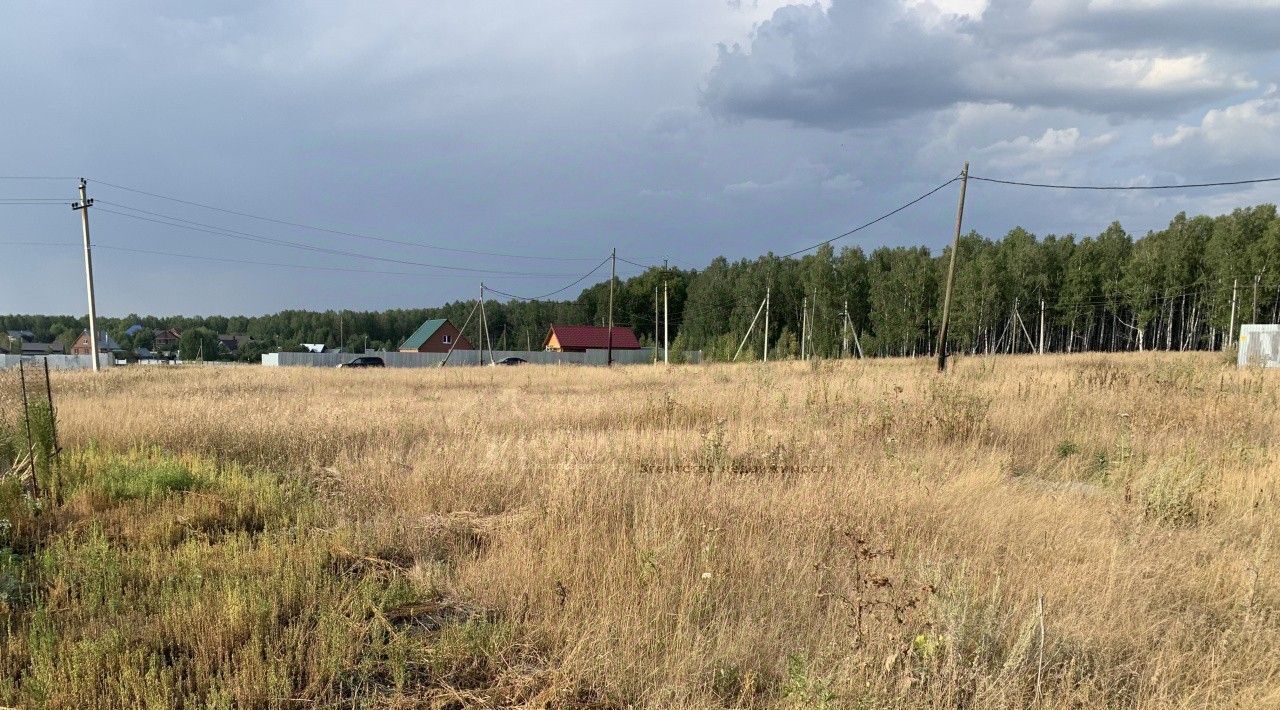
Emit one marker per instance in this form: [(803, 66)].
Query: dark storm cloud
[(861, 63)]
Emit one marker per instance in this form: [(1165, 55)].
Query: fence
[(461, 358), (1259, 346), (28, 424), (58, 362)]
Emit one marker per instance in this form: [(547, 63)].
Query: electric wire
[(249, 236), (340, 232), (875, 221), (557, 292), (112, 247), (1187, 186)]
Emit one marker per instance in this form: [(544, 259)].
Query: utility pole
[(613, 276), (951, 272), (844, 330), (666, 326), (766, 322), (1253, 316), (484, 330), (804, 324), (83, 205), (1042, 326), (655, 325), (1231, 330)]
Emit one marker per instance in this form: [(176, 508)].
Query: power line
[(340, 232), (99, 245), (1187, 186), (877, 220), (557, 292), (179, 223)]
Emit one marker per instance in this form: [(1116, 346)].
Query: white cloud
[(1241, 134), (1054, 146)]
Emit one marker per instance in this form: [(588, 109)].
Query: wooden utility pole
[(666, 325), (480, 329), (83, 205), (613, 276), (766, 322), (1231, 330), (951, 272)]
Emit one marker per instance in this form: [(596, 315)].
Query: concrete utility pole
[(951, 272), (613, 276), (83, 205), (844, 330), (666, 326), (1253, 316), (804, 323), (655, 325), (1231, 329), (1042, 326)]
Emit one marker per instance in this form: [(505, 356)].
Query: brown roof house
[(106, 344), (166, 339), (581, 338), (435, 336)]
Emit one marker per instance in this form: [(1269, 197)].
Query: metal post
[(53, 415), (951, 272), (26, 414), (83, 206), (613, 276)]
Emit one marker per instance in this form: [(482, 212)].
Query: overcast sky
[(667, 128)]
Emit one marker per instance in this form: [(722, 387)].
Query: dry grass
[(835, 535)]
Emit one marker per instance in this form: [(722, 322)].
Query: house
[(133, 330), (36, 349), (165, 339), (581, 338), (437, 335), (233, 341), (25, 336), (82, 346)]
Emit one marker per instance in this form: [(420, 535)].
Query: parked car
[(512, 361), (365, 361)]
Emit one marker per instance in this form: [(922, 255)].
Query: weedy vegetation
[(1056, 532)]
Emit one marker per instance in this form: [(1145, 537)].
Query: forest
[(1179, 288)]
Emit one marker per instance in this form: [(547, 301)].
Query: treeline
[(1171, 289)]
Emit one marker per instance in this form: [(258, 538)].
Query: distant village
[(168, 345)]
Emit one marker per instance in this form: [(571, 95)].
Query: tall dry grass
[(1062, 531)]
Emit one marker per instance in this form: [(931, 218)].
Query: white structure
[(1259, 346)]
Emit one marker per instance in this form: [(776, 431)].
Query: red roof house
[(580, 338)]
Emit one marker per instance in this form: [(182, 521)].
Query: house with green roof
[(437, 335)]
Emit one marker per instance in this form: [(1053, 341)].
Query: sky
[(437, 145)]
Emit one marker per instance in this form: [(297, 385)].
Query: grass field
[(1060, 531)]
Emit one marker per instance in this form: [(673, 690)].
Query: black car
[(365, 361), (512, 361)]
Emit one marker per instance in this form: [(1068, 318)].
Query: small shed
[(581, 338), (437, 335), (1259, 346)]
